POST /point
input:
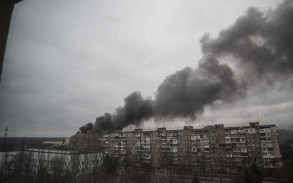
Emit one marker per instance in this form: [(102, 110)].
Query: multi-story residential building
[(215, 149)]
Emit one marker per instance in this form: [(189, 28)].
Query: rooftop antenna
[(257, 116)]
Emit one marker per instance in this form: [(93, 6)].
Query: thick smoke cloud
[(135, 110), (185, 93), (262, 45), (258, 47), (86, 127)]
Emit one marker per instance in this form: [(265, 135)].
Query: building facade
[(212, 149), (33, 160)]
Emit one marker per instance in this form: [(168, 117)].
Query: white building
[(35, 158)]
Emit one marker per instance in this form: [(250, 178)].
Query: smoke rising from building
[(257, 47), (86, 127)]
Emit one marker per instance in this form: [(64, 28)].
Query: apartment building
[(210, 149)]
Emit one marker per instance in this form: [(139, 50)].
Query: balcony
[(123, 152), (173, 142), (228, 146), (268, 156), (122, 135), (229, 155), (193, 138), (228, 141), (147, 148)]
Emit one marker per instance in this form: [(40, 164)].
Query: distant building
[(211, 149), (64, 142)]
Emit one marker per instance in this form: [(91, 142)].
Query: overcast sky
[(69, 61)]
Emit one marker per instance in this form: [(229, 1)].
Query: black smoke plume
[(262, 46), (134, 110), (85, 128), (258, 46)]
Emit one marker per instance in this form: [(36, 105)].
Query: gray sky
[(69, 61)]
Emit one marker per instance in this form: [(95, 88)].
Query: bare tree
[(57, 167)]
